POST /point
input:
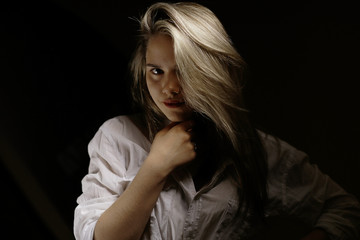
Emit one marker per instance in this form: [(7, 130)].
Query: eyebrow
[(152, 65), (157, 66)]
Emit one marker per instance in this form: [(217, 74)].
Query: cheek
[(152, 87)]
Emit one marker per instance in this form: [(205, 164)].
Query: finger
[(186, 125), (169, 126)]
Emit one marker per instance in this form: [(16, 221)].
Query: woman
[(190, 165)]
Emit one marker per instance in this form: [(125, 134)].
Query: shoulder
[(122, 129), (287, 168), (117, 125), (280, 154)]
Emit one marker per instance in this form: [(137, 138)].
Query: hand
[(172, 147)]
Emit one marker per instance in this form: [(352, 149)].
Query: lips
[(174, 103)]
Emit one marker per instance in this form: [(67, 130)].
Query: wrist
[(156, 167)]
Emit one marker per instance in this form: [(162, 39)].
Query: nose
[(171, 84)]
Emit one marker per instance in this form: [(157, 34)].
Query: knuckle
[(183, 135), (187, 137), (190, 146)]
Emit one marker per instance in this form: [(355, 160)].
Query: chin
[(175, 119), (179, 118)]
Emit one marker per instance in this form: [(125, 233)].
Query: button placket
[(192, 219)]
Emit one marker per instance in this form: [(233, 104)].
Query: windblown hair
[(210, 73)]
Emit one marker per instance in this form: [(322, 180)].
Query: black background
[(64, 72)]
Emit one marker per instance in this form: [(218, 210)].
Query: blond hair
[(210, 73), (209, 66)]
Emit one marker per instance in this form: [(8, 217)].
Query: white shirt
[(296, 188)]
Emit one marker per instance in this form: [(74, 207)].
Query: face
[(162, 80)]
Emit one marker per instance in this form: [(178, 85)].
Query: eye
[(156, 71)]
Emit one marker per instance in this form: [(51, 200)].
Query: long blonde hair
[(211, 78)]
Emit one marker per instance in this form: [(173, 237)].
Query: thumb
[(186, 125), (168, 127)]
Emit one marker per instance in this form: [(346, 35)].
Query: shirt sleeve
[(107, 178), (313, 197)]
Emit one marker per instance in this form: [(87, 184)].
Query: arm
[(128, 216), (316, 199), (299, 190)]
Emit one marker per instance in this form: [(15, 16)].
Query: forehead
[(160, 49)]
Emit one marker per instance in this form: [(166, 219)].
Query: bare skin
[(162, 81), (128, 216), (172, 147)]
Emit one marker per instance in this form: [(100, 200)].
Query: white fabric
[(296, 188)]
